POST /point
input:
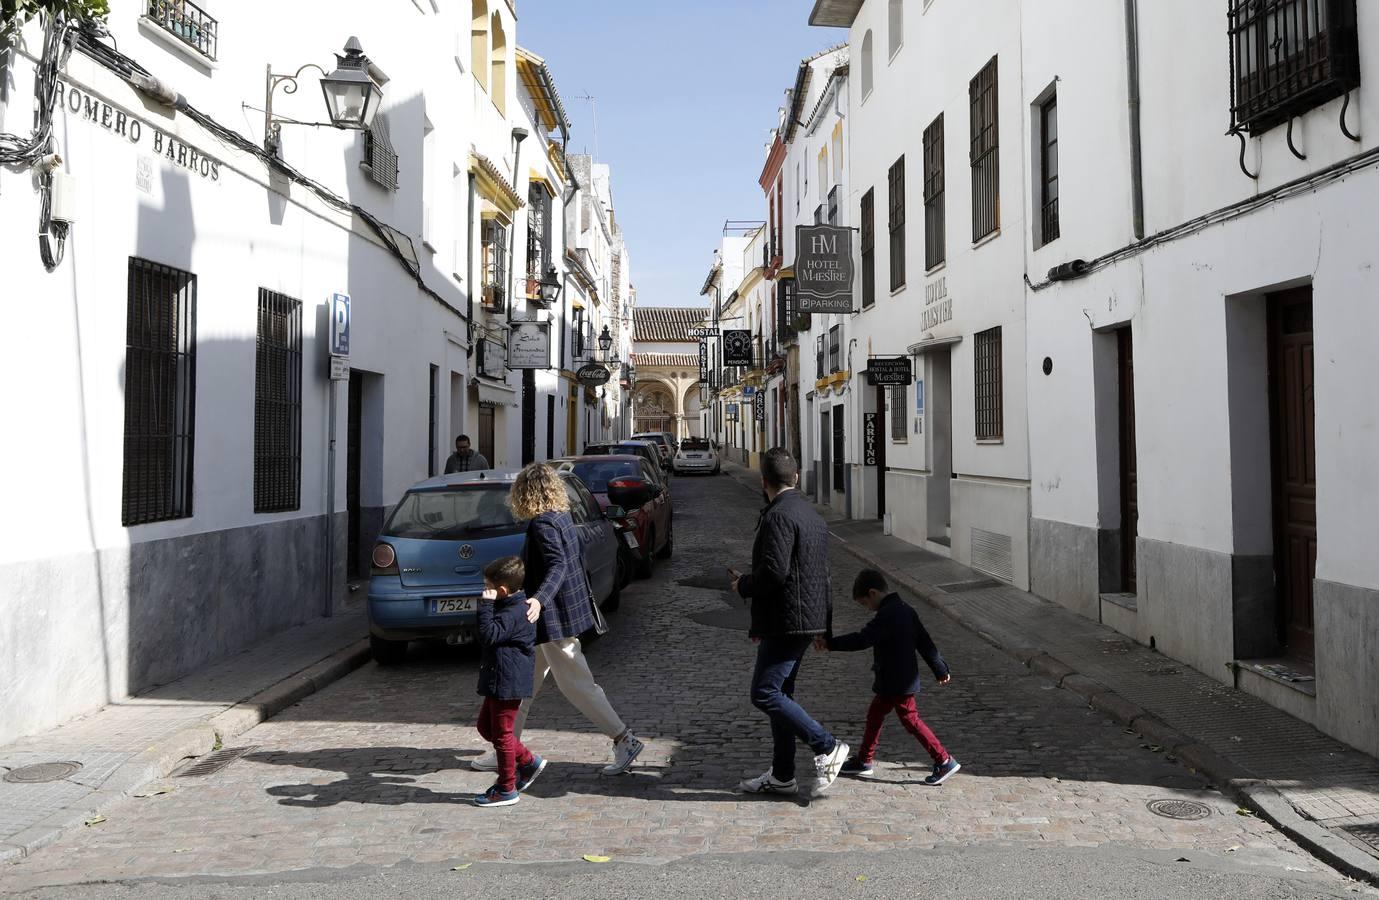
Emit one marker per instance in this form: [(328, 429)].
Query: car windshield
[(599, 450), (694, 444), (461, 513), (654, 438), (597, 473)]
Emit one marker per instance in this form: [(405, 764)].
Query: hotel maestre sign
[(823, 269)]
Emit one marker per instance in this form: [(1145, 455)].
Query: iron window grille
[(1289, 56), (986, 169), (819, 214), (896, 221), (380, 159), (495, 262), (819, 356), (160, 393), (188, 23), (278, 404), (789, 320), (833, 205), (835, 348), (899, 410), (1048, 171), (935, 236), (539, 223), (868, 248), (432, 424), (577, 335), (839, 450), (987, 381)]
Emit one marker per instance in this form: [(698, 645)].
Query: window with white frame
[(895, 31)]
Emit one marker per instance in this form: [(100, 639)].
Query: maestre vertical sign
[(823, 269)]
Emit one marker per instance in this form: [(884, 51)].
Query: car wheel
[(646, 564), (669, 547), (387, 653)]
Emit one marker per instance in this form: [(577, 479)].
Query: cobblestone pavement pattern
[(373, 771)]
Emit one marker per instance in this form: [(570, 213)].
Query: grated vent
[(992, 553), (214, 762)]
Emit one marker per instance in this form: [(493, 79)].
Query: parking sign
[(340, 325)]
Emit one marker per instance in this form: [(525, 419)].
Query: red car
[(640, 490)]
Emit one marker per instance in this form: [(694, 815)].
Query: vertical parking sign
[(340, 325)]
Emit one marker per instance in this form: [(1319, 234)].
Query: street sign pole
[(338, 361)]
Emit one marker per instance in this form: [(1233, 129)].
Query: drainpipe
[(469, 263), (1132, 71), (519, 134)]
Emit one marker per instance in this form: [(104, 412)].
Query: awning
[(491, 393), (933, 344)]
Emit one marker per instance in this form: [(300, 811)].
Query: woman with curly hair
[(561, 603)]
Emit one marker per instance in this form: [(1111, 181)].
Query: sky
[(686, 94)]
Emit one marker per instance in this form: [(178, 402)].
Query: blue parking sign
[(340, 325)]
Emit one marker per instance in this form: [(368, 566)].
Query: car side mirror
[(613, 511)]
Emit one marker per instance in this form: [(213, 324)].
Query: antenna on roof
[(594, 110)]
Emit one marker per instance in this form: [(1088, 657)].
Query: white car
[(696, 455)]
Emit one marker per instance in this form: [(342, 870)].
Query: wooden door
[(1129, 480), (1294, 465), (486, 434), (354, 445)]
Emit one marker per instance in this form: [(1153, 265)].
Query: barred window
[(935, 237), (380, 159), (896, 186), (495, 262), (868, 248), (160, 393), (835, 348), (1048, 171), (900, 400), (1289, 56), (278, 404), (987, 382), (986, 170)]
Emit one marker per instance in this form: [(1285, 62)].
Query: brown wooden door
[(1129, 479), (486, 434), (1294, 465)]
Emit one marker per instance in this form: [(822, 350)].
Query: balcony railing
[(188, 23)]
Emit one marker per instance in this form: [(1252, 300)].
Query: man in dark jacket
[(895, 634), (505, 678), (789, 590)]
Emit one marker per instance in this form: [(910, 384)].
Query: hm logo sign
[(823, 244)]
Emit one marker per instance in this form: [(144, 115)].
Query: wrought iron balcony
[(188, 23)]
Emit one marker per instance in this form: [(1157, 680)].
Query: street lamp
[(352, 95), (605, 340), (549, 288)]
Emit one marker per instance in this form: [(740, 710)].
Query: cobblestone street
[(373, 771)]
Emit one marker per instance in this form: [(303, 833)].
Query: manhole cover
[(214, 762), (1179, 809), (958, 587), (1367, 833), (37, 774)]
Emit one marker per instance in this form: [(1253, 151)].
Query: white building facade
[(178, 503)]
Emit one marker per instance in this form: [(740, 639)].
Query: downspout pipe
[(1132, 71), (519, 135), (469, 262)]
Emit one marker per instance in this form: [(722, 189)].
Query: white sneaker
[(766, 783), (486, 763), (827, 766), (625, 752)]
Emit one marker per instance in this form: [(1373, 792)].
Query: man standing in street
[(791, 605), (465, 459)]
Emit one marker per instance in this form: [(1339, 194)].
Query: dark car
[(645, 449), (428, 564), (633, 496)]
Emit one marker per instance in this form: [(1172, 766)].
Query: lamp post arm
[(289, 82)]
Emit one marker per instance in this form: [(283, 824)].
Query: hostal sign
[(823, 269)]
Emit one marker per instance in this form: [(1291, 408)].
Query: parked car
[(663, 441), (635, 498), (428, 563), (650, 451), (696, 455)]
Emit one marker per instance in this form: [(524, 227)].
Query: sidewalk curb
[(1256, 796), (191, 741)]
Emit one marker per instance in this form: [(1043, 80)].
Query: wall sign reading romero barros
[(737, 347), (891, 371), (823, 269)]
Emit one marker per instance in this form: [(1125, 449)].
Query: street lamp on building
[(550, 287), (605, 340), (351, 93)]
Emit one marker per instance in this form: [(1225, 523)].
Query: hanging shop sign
[(759, 406), (83, 106), (703, 332), (823, 269), (737, 347), (730, 410), (592, 374), (703, 361), (529, 345), (869, 439), (493, 359), (890, 371)]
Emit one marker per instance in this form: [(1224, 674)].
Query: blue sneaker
[(857, 768), (495, 797), (527, 774), (943, 771)]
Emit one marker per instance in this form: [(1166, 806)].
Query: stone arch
[(478, 42), (692, 409)]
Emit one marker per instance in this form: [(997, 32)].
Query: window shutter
[(380, 159)]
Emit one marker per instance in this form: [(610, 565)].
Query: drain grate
[(214, 762), (1367, 833), (43, 772), (1179, 809), (957, 587)]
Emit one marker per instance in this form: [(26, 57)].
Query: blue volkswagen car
[(428, 564)]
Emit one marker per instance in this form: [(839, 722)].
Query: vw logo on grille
[(466, 551)]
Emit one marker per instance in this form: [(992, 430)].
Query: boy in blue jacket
[(505, 678), (894, 635)]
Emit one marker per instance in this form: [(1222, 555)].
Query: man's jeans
[(773, 687)]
